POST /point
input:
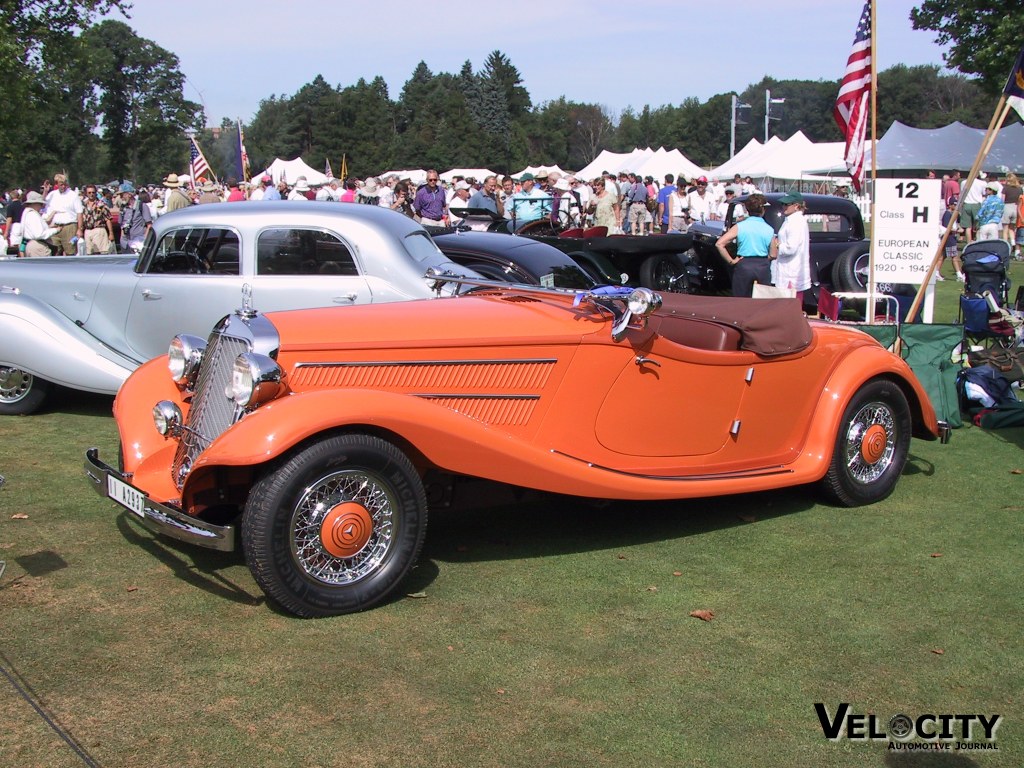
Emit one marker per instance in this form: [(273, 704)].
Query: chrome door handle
[(348, 297), (150, 295), (641, 360)]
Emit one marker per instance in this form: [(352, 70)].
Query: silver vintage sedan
[(86, 322)]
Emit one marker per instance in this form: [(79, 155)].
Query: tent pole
[(1002, 109)]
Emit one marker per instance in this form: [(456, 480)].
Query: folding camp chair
[(983, 325), (928, 349)]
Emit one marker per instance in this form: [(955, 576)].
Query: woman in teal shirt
[(754, 248)]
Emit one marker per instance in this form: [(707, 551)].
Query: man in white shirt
[(973, 199), (700, 201), (717, 191), (386, 198), (64, 211)]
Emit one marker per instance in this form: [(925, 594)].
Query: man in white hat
[(459, 201), (34, 231), (300, 189), (369, 193), (174, 198)]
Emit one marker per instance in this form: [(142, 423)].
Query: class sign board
[(907, 228)]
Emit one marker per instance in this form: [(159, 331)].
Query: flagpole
[(1002, 109), (870, 306)]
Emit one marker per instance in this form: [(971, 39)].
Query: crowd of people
[(58, 219), (990, 209)]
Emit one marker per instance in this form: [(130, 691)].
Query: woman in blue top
[(754, 247)]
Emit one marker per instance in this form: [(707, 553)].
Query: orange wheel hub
[(872, 447), (346, 529)]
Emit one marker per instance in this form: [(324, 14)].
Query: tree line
[(102, 103)]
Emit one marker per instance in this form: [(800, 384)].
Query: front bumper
[(165, 519)]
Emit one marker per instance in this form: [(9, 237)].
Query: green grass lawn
[(543, 632)]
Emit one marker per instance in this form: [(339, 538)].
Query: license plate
[(125, 495)]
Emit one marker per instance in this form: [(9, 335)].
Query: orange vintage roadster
[(308, 433)]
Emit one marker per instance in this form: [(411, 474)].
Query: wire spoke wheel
[(872, 443), (336, 527), (343, 527)]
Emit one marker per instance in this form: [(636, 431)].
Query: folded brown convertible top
[(769, 326)]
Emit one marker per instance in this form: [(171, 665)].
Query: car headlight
[(183, 359), (255, 379), (167, 418), (643, 301)]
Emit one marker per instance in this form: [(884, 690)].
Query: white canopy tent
[(672, 161), (477, 173), (290, 170), (753, 153), (417, 176), (616, 162), (540, 170)]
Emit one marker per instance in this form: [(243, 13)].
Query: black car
[(839, 247), (513, 259)]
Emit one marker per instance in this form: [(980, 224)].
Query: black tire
[(21, 393), (850, 271), (335, 528), (663, 272), (871, 445)]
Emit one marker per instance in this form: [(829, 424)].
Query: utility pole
[(736, 120), (768, 101)]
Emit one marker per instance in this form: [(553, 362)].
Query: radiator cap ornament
[(247, 311)]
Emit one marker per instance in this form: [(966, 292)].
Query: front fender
[(37, 338)]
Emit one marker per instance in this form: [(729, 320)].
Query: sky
[(234, 53)]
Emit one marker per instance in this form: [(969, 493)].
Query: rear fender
[(37, 338), (860, 366)]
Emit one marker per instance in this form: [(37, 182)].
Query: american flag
[(851, 110), (197, 165), (327, 171)]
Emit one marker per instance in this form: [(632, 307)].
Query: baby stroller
[(987, 268), (986, 265)]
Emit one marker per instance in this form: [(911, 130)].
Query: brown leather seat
[(699, 334)]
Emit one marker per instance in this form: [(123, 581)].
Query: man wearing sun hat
[(34, 231), (174, 198)]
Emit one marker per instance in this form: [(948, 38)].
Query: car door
[(189, 279), (304, 266), (673, 400)]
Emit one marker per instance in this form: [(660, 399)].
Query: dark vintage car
[(513, 259), (311, 437), (608, 259), (839, 248)]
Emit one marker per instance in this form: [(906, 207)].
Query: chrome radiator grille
[(212, 410)]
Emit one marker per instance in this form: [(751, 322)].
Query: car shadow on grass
[(73, 401), (508, 523), (202, 568)]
